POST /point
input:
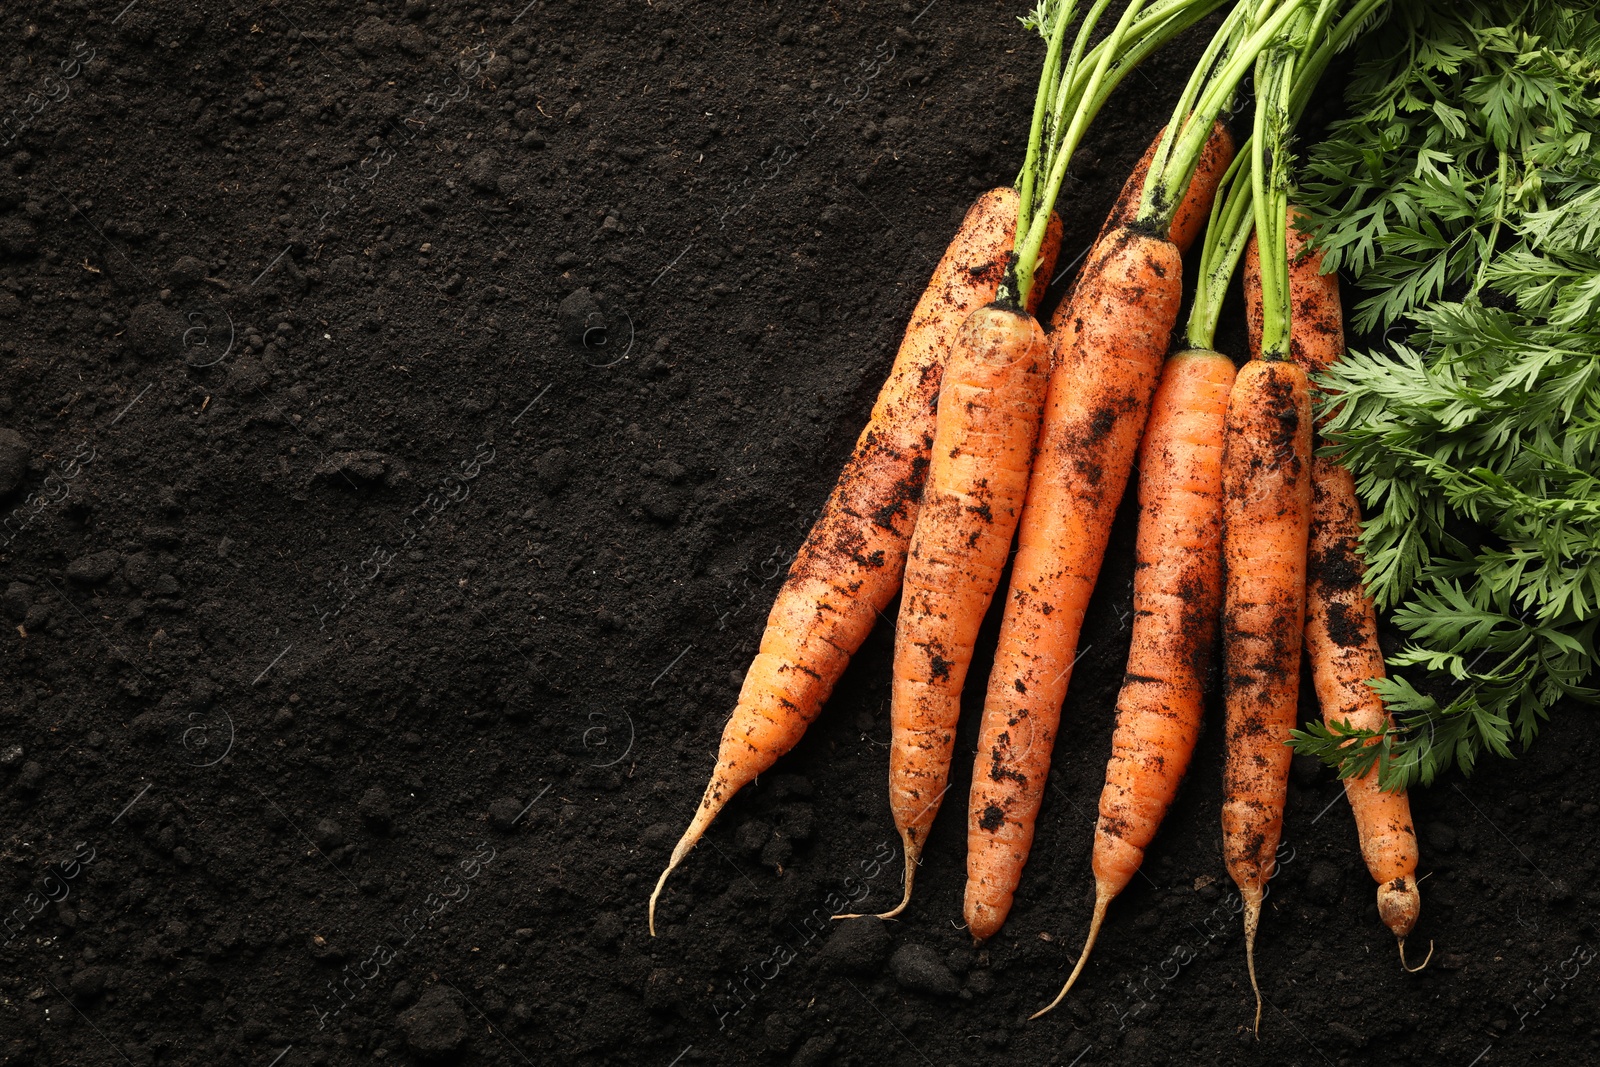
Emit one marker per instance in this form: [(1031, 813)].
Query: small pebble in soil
[(919, 968)]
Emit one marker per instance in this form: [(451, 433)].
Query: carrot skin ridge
[(850, 565)]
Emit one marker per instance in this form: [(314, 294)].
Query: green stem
[(1030, 166), (1270, 178), (1225, 39), (1328, 45), (1227, 233), (1494, 231), (1027, 254), (1164, 190)]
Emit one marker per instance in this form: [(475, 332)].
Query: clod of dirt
[(93, 568), (18, 237), (919, 968), (856, 945), (187, 271), (365, 467), (376, 811), (503, 814), (15, 603), (435, 1026), (553, 471), (816, 1050), (30, 778), (753, 836), (13, 461), (89, 981), (579, 313), (328, 835), (375, 36), (152, 331), (482, 172)]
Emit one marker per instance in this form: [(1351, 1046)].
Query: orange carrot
[(850, 566), (989, 409), (1177, 591), (1341, 622), (1109, 342), (1266, 521), (1342, 641)]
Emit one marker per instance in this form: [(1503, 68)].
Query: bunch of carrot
[(991, 428)]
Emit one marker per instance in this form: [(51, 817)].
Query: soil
[(347, 345)]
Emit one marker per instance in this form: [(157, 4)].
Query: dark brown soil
[(348, 346)]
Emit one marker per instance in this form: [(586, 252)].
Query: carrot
[(1177, 590), (1341, 633), (988, 420), (1342, 641), (1017, 735), (1266, 521), (850, 566)]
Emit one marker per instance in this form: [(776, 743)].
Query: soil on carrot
[(416, 408)]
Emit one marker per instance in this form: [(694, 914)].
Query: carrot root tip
[(1407, 968), (1102, 900), (913, 853), (1252, 919)]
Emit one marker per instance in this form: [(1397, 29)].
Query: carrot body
[(1341, 622), (989, 409), (1109, 342), (1177, 594), (851, 564), (1266, 525), (1342, 641)]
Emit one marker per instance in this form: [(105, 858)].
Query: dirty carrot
[(1342, 642), (988, 420), (1266, 525), (850, 566)]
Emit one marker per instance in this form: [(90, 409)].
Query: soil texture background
[(410, 411)]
